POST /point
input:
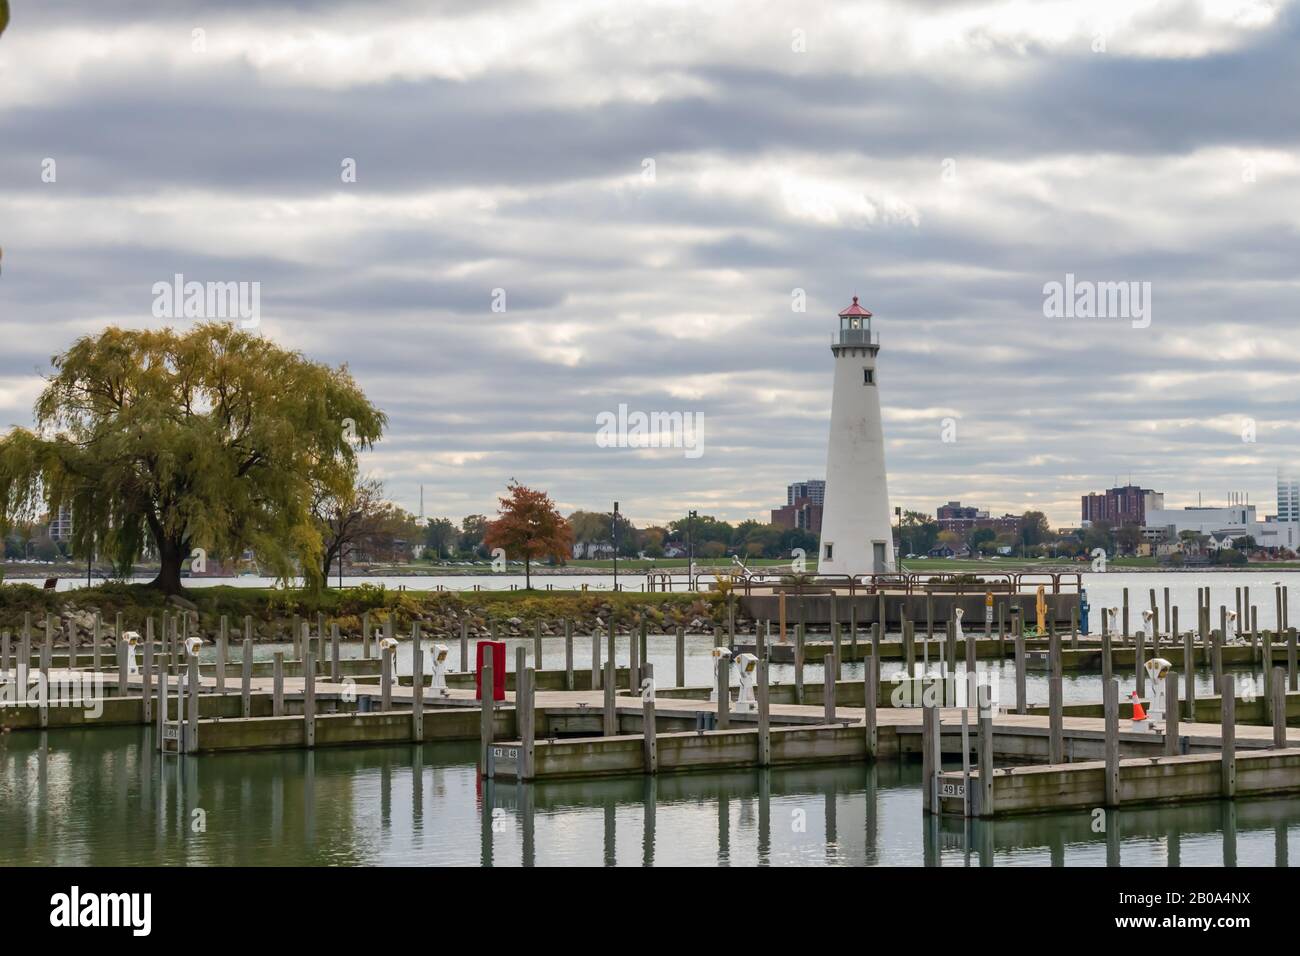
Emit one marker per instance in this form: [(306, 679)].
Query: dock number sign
[(952, 790), (988, 607)]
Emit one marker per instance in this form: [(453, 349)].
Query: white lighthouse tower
[(856, 535)]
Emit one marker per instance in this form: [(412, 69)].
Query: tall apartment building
[(1127, 504), (813, 490), (61, 525), (1288, 496)]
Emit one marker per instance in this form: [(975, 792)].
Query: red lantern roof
[(856, 309)]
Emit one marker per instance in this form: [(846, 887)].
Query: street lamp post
[(615, 533), (690, 548)]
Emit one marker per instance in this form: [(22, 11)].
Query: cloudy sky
[(650, 183)]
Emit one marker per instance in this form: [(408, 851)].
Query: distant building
[(1128, 504), (803, 506), (954, 517), (593, 549), (965, 519), (814, 491), (61, 526), (1236, 520), (1288, 496), (801, 513)]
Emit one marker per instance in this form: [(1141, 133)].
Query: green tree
[(1034, 528), (917, 532), (205, 438), (440, 536), (472, 530), (982, 539)]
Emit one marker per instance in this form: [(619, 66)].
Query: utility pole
[(690, 547), (616, 546)]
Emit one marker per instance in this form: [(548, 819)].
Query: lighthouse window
[(830, 549), (868, 376)]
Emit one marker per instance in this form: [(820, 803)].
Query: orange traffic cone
[(1139, 713)]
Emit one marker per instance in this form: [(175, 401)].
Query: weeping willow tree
[(208, 438)]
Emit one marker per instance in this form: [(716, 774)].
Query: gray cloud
[(676, 295)]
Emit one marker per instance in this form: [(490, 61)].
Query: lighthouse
[(856, 535)]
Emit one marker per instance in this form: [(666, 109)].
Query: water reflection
[(105, 797)]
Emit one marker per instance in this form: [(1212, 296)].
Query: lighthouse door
[(878, 556)]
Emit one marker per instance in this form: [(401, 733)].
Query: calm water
[(105, 797)]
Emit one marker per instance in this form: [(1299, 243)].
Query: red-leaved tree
[(529, 526)]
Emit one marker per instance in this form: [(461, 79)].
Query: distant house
[(1220, 542), (593, 549), (942, 551)]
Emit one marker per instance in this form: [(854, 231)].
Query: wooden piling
[(1292, 674), (634, 658), (610, 726), (1019, 635), (568, 654), (798, 664), (1189, 677), (931, 759), (984, 756), (597, 673), (277, 685), (336, 670), (648, 729), (723, 682), (1278, 708), (1172, 744), (1124, 617), (1228, 732), (1139, 656), (464, 646), (537, 646), (871, 690), (1056, 721), (680, 672), (1110, 691), (47, 652), (909, 649), (146, 687), (764, 715), (246, 679), (485, 727), (610, 645), (386, 668), (309, 700), (192, 715), (223, 636), (417, 687), (94, 650), (123, 654), (365, 638), (1107, 662), (828, 689), (162, 704)]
